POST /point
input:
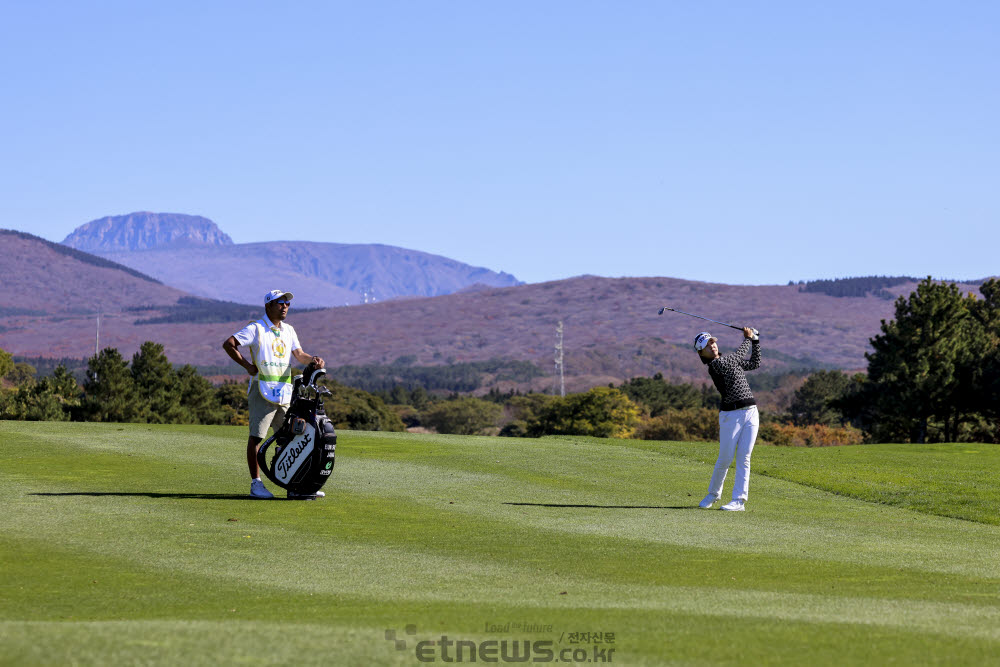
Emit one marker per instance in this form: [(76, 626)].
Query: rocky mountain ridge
[(193, 254), (145, 230)]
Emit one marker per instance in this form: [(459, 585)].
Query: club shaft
[(731, 326)]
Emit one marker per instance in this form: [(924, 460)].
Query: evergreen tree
[(198, 401), (419, 398), (156, 385), (915, 371), (6, 363), (232, 397), (109, 391), (658, 395), (986, 374), (812, 403)]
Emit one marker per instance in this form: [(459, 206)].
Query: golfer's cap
[(702, 340), (277, 294)]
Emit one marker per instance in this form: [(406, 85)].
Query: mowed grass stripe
[(680, 641), (943, 479), (378, 516), (417, 529), (488, 520)]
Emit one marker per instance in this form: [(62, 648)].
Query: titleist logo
[(291, 454)]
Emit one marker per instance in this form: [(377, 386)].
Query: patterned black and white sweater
[(727, 373)]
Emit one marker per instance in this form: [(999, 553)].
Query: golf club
[(674, 310)]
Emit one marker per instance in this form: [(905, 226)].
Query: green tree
[(6, 363), (156, 385), (398, 395), (916, 367), (419, 398), (857, 403), (603, 412), (357, 410), (985, 371), (520, 411), (52, 398), (109, 391), (658, 395), (21, 373), (464, 416), (812, 403), (232, 397), (198, 401)]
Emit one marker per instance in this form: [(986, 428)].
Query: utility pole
[(97, 344), (559, 358)]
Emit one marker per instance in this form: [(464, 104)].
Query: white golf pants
[(737, 434)]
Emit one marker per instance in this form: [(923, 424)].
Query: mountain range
[(191, 253), (52, 295)]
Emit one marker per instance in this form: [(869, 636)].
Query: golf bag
[(305, 445)]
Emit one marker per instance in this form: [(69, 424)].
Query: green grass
[(135, 544)]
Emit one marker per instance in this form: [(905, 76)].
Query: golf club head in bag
[(305, 445)]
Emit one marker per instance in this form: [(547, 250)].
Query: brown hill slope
[(41, 277), (612, 331)]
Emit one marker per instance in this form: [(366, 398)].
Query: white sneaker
[(258, 490), (734, 506), (320, 494), (707, 502)]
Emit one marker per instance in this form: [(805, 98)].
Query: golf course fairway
[(137, 544)]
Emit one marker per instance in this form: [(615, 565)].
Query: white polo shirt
[(271, 352)]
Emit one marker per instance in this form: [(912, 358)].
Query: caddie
[(272, 343)]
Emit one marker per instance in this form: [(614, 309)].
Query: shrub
[(603, 412), (686, 424), (814, 435), (463, 416)]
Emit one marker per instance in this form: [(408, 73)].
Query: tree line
[(933, 372), (150, 390), (933, 375)]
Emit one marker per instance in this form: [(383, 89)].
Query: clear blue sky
[(737, 142)]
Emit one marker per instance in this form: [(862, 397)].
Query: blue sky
[(737, 142)]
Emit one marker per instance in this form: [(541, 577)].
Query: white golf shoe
[(258, 490), (707, 502), (734, 506)]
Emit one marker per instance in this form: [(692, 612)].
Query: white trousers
[(737, 434)]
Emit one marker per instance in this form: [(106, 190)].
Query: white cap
[(702, 340), (277, 294)]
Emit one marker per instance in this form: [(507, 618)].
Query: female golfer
[(738, 418)]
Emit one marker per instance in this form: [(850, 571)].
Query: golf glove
[(756, 335)]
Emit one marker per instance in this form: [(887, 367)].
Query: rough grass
[(135, 544)]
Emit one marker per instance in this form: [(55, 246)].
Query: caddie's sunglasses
[(284, 303)]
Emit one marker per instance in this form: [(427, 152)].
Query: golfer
[(272, 343), (738, 418)]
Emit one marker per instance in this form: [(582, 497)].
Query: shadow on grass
[(150, 494), (611, 507)]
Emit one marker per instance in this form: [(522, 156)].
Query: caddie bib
[(272, 354)]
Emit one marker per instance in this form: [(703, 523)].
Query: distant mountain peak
[(144, 230)]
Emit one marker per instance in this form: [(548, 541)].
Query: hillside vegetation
[(612, 332)]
